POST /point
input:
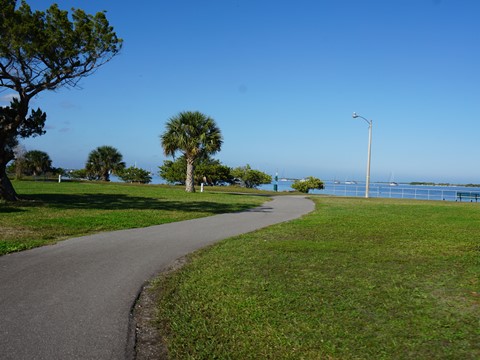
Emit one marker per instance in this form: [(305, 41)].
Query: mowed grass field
[(54, 211), (356, 279)]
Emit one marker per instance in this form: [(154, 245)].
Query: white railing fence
[(396, 192)]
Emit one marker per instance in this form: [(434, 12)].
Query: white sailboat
[(392, 182)]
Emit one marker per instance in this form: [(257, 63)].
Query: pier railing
[(396, 192)]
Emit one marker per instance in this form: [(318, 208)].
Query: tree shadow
[(124, 202), (9, 210)]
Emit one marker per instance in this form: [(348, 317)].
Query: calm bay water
[(380, 190), (383, 190)]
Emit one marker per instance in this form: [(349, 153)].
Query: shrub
[(307, 184), (251, 178), (135, 175)]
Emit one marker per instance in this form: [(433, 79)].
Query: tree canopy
[(305, 185), (44, 50), (133, 174), (194, 135), (37, 162), (104, 161), (251, 178), (207, 170)]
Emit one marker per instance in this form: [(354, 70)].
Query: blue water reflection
[(384, 190)]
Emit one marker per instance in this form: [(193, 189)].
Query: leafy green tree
[(103, 161), (174, 172), (58, 171), (213, 172), (133, 174), (194, 135), (78, 174), (207, 170), (305, 185), (37, 162), (44, 50), (251, 178)]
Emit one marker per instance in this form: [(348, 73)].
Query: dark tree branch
[(45, 51)]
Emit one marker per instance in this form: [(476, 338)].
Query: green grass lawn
[(356, 279), (55, 211)]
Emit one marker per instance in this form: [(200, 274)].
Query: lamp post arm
[(361, 117)]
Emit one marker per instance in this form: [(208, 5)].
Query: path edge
[(144, 339)]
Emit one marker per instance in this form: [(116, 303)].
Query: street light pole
[(370, 123)]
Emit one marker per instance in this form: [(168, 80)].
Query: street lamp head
[(355, 115)]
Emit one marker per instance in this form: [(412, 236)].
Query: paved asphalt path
[(73, 300)]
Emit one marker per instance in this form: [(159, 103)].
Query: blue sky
[(282, 78)]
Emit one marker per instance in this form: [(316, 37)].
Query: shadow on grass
[(124, 202), (8, 210)]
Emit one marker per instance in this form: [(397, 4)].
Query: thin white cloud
[(7, 98)]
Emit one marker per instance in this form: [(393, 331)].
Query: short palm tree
[(194, 135), (38, 162), (103, 161)]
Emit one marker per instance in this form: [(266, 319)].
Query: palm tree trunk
[(190, 171), (105, 176)]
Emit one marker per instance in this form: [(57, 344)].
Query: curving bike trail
[(72, 300)]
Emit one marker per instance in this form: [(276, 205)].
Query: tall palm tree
[(103, 161), (194, 135)]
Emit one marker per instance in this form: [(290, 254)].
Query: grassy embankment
[(57, 211), (356, 279)]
